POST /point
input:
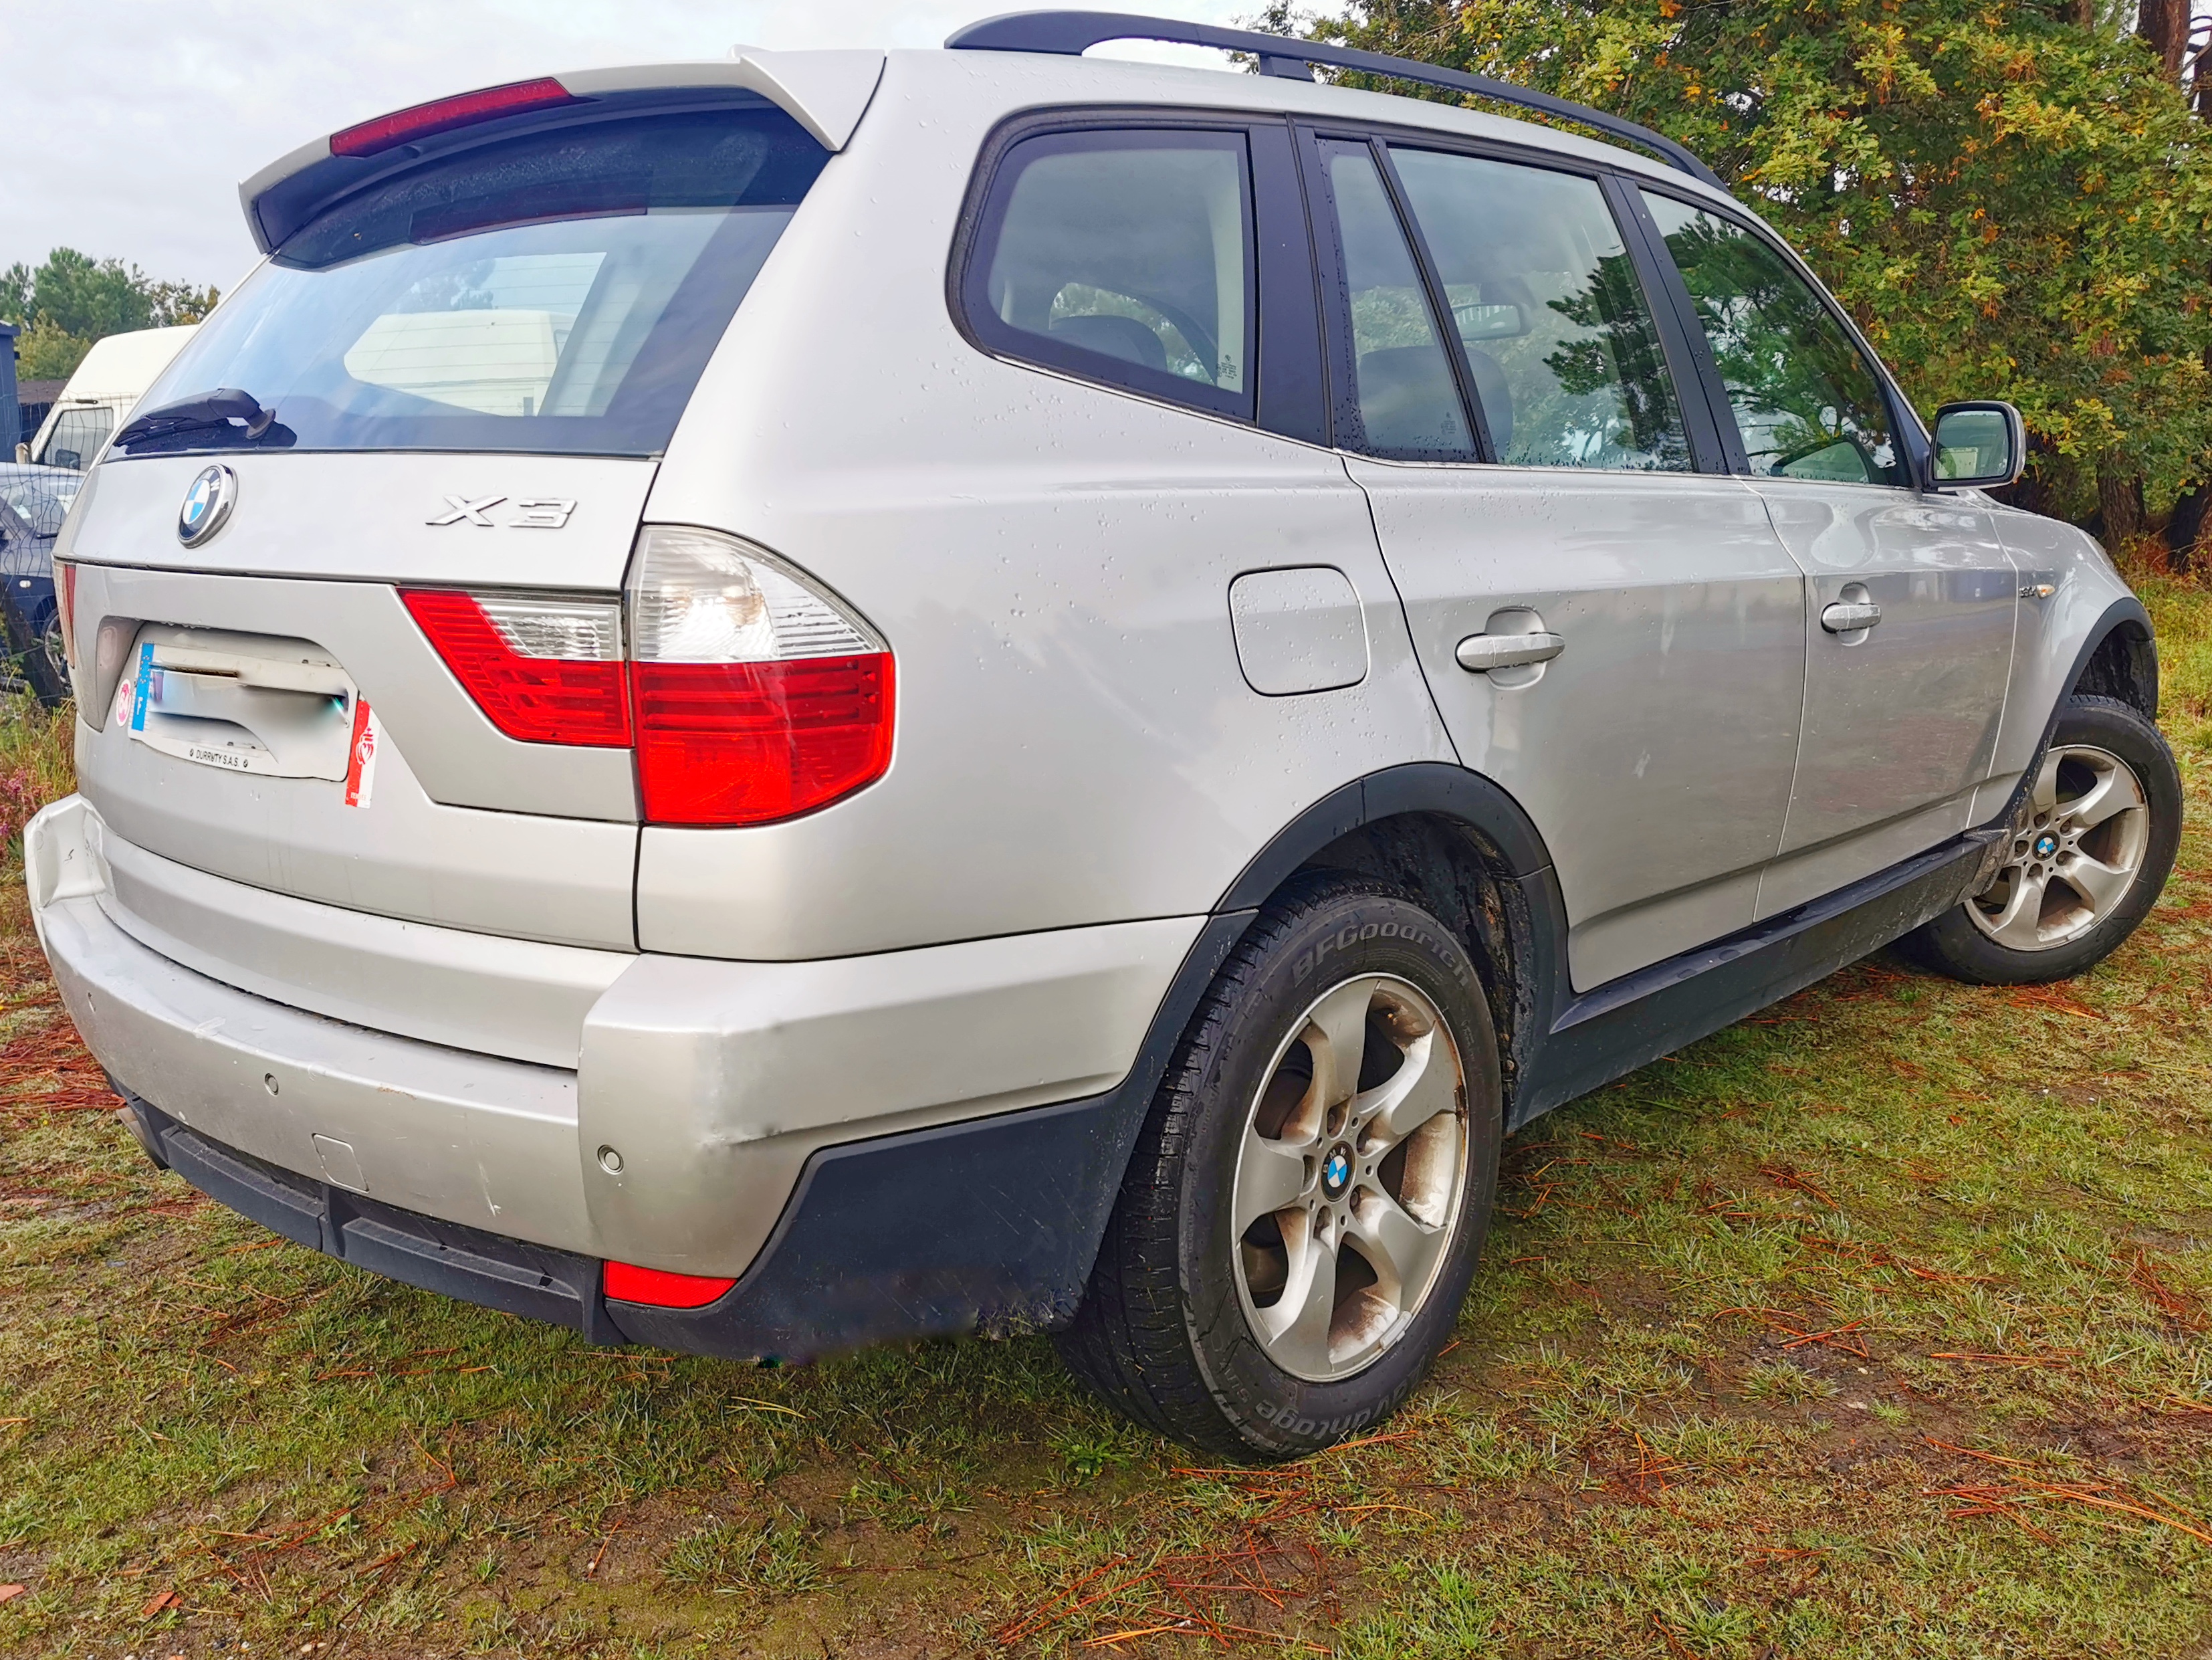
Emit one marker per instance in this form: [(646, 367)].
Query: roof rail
[(1071, 33)]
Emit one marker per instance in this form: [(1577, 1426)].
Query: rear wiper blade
[(203, 409)]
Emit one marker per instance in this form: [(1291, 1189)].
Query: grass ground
[(1874, 1326)]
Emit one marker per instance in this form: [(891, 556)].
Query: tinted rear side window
[(1562, 347), (1409, 404), (1125, 256), (555, 293)]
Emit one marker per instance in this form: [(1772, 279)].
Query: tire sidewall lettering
[(1361, 933)]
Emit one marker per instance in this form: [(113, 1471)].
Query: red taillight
[(750, 743), (752, 694), (65, 610), (389, 132), (576, 697), (657, 1287)]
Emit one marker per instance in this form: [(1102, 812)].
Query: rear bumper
[(707, 1092), (556, 1285), (864, 1254)]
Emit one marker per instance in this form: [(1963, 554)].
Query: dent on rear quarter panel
[(1050, 562), (2048, 637)]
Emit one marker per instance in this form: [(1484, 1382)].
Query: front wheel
[(2086, 858), (1302, 1214)]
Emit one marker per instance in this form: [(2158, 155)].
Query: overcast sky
[(129, 123)]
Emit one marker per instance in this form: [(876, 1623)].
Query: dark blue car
[(33, 501)]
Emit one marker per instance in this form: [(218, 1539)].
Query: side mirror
[(23, 454), (1980, 445)]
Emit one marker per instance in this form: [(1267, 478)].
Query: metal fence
[(31, 417), (33, 502)]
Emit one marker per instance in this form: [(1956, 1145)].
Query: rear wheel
[(1304, 1211), (2087, 855)]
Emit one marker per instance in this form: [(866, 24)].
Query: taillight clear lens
[(697, 596), (546, 671), (757, 695)]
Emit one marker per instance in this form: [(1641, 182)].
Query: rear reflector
[(628, 1283), (466, 109), (546, 672), (751, 743)]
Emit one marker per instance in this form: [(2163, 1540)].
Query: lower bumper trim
[(536, 1281)]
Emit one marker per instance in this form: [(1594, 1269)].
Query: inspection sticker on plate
[(361, 759), (141, 688)]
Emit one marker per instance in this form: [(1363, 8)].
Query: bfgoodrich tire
[(2087, 856), (1303, 1210)]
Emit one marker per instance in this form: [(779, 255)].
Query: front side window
[(1546, 300), (1124, 257), (1807, 402), (1408, 404), (557, 293)]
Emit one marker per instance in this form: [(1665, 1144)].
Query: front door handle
[(1478, 653), (1849, 616)]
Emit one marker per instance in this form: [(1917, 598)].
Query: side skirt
[(1607, 1032)]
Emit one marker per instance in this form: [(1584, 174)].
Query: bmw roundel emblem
[(1336, 1173), (207, 505)]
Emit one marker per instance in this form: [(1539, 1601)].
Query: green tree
[(2012, 199), (72, 300)]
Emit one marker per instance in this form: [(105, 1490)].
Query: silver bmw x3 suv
[(771, 704)]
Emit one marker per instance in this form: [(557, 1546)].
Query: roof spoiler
[(825, 92), (1071, 33)]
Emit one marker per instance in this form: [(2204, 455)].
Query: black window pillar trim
[(1341, 367), (1292, 372)]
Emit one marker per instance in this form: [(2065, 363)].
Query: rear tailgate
[(345, 592), (462, 826), (294, 612)]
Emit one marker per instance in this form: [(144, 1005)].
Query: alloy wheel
[(1348, 1178), (2075, 859)]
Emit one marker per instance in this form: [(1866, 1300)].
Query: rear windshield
[(557, 293)]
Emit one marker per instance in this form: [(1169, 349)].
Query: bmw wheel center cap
[(207, 505), (1336, 1173)]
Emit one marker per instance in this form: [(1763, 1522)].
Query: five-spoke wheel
[(2075, 857), (2084, 858), (1303, 1212), (1348, 1175)]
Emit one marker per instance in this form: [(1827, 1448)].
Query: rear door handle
[(1849, 616), (1480, 653)]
